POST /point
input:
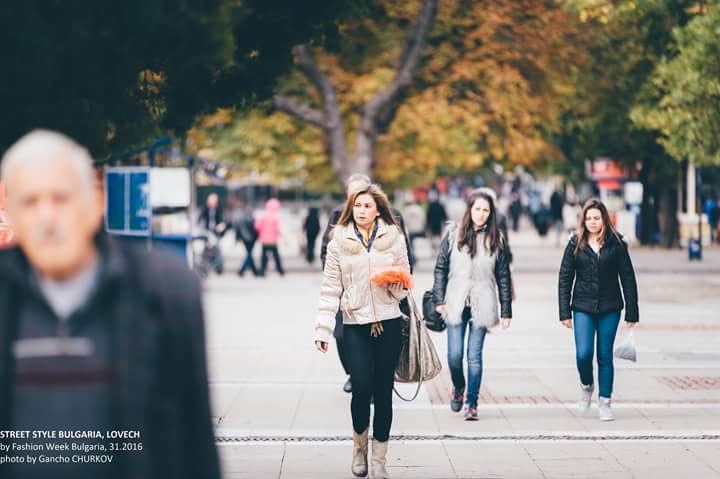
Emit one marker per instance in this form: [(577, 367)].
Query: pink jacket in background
[(268, 224)]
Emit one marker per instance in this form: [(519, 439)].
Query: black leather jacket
[(502, 275), (596, 289)]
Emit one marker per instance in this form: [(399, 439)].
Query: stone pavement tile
[(626, 419), (665, 460), (222, 399), (508, 382), (405, 460), (575, 460), (324, 411), (681, 419), (537, 420), (251, 461), (707, 452), (263, 409), (491, 460), (325, 460), (491, 422), (414, 421)]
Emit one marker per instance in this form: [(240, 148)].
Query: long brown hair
[(467, 236), (381, 202), (582, 233)]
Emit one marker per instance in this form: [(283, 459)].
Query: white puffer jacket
[(346, 278)]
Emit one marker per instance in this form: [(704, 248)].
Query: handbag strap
[(414, 317)]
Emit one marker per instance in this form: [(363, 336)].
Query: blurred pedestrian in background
[(269, 232), (365, 241), (515, 211), (246, 233), (436, 218), (213, 222), (96, 334), (415, 220), (595, 258), (311, 227), (712, 210), (557, 202), (472, 273)]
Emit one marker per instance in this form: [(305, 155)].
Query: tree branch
[(329, 119), (301, 110), (379, 112)]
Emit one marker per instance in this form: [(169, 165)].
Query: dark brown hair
[(381, 202), (467, 236), (583, 234)]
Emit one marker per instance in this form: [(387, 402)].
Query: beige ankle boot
[(360, 453), (379, 457)]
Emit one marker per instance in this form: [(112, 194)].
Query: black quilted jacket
[(596, 289)]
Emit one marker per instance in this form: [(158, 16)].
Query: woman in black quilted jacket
[(595, 264)]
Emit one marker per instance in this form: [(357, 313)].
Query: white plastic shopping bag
[(626, 349)]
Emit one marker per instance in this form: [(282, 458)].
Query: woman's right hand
[(440, 308), (321, 346), (567, 323)]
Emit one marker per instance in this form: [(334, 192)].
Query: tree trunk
[(647, 209), (668, 217), (377, 114)]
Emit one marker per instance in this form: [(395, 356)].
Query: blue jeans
[(586, 327), (456, 345)]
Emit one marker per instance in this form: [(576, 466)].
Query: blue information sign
[(127, 201)]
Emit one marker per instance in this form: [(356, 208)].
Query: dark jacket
[(152, 305), (218, 217), (245, 228), (436, 217), (502, 275), (596, 289)]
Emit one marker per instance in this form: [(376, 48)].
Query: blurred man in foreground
[(95, 335)]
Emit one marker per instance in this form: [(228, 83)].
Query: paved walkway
[(280, 413)]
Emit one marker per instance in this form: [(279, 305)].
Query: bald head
[(54, 207)]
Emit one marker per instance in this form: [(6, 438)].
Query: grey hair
[(43, 145), (358, 177)]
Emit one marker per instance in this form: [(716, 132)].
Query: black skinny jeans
[(372, 362), (267, 250)]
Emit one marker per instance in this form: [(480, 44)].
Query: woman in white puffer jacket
[(365, 241)]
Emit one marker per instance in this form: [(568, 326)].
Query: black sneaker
[(456, 400), (347, 387), (471, 413)]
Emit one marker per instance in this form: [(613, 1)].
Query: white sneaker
[(586, 393), (604, 411)]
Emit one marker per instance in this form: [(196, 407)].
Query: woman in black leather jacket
[(472, 270), (595, 258)]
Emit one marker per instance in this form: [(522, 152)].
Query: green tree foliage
[(116, 73), (683, 100)]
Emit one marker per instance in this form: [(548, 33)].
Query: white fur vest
[(472, 278)]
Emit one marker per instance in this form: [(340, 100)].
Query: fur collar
[(348, 242)]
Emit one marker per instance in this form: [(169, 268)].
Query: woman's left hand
[(630, 325), (396, 289), (505, 322)]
